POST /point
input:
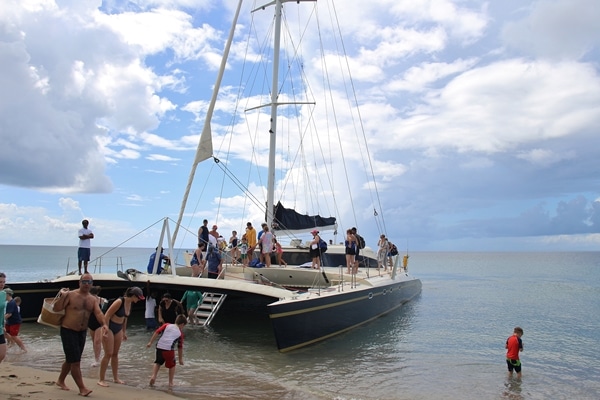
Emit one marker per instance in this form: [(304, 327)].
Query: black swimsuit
[(114, 326)]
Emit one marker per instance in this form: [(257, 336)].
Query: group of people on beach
[(83, 310), (111, 326)]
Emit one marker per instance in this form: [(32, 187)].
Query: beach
[(19, 382)]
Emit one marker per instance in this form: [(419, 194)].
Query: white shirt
[(150, 307), (85, 243)]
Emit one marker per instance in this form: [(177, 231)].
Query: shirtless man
[(78, 304)]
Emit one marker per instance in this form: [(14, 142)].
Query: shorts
[(83, 254), (73, 343), (166, 357), (13, 330), (513, 364), (151, 323), (2, 339)]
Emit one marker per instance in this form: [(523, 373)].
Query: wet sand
[(18, 382)]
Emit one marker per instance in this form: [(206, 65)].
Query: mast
[(273, 127), (274, 104)]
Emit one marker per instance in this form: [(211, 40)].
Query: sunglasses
[(87, 281)]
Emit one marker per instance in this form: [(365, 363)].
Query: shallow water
[(446, 344)]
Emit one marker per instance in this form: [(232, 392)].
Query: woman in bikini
[(116, 318)]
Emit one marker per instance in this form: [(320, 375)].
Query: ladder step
[(211, 302)]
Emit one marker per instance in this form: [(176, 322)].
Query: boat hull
[(317, 316)]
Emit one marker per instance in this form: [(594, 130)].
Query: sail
[(287, 219)]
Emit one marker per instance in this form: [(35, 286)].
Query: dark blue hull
[(301, 323)]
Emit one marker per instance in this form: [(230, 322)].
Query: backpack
[(361, 241), (394, 250), (255, 263), (322, 246)]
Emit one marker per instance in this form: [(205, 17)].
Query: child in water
[(172, 335)]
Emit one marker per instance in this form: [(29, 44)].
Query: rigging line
[(360, 119), (128, 239), (241, 186), (327, 83), (237, 182)]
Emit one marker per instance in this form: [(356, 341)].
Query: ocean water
[(446, 344)]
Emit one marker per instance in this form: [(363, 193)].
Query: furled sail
[(287, 219)]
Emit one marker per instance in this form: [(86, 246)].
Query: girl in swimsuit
[(116, 317)]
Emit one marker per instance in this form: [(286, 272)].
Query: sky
[(483, 120)]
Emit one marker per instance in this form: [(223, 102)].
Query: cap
[(8, 291), (314, 231), (136, 291)]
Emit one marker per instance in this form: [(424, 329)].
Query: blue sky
[(483, 119)]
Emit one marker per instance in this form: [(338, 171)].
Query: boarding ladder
[(206, 311)]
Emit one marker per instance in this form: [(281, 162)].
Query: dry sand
[(18, 383)]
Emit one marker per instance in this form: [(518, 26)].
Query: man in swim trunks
[(78, 304)]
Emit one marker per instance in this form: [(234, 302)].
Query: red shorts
[(166, 357), (13, 330)]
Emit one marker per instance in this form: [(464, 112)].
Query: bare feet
[(119, 381), (103, 384), (62, 385), (152, 380), (85, 393)]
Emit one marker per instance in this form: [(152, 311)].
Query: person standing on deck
[(162, 258), (279, 251), (266, 241), (84, 250), (235, 251), (261, 256), (203, 233), (350, 250), (214, 262), (315, 251), (359, 245), (197, 261), (382, 253), (251, 238)]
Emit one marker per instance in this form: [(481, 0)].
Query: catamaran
[(303, 305)]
